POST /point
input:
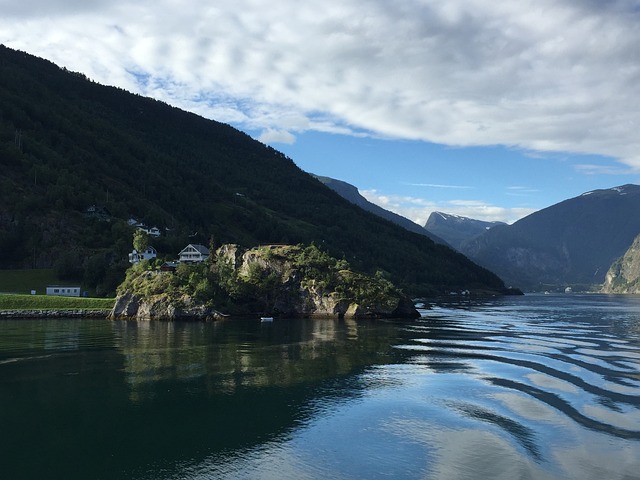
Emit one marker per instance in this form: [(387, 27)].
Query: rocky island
[(273, 280)]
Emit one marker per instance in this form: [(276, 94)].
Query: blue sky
[(485, 109), (414, 178)]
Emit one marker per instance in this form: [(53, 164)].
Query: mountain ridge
[(572, 242), (351, 193), (67, 143), (456, 229)]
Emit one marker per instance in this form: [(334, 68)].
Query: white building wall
[(63, 291)]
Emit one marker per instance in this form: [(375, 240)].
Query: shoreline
[(54, 313)]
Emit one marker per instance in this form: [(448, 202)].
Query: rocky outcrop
[(160, 307), (624, 274), (305, 303), (287, 281)]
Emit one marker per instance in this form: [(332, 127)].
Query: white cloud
[(276, 136), (589, 169), (542, 76), (521, 191), (436, 185), (419, 209)]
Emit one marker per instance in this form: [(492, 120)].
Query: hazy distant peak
[(456, 229), (350, 192)]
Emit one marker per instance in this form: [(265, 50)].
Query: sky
[(485, 109)]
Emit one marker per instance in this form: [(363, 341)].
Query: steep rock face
[(160, 307), (624, 274)]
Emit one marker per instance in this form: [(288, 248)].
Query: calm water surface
[(528, 387)]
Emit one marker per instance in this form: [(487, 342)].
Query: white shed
[(63, 290)]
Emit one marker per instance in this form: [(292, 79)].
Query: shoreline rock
[(132, 307)]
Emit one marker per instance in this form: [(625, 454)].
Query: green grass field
[(23, 281), (45, 302), (16, 287)]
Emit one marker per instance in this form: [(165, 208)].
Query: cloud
[(435, 185), (540, 76), (589, 169), (276, 136), (520, 191), (418, 209)]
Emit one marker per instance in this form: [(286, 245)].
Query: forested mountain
[(351, 193), (456, 230), (67, 143), (571, 243)]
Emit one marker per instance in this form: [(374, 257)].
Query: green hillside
[(67, 143)]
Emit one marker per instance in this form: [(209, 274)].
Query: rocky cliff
[(282, 280), (624, 274)]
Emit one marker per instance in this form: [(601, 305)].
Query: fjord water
[(512, 388)]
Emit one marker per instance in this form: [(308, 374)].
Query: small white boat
[(266, 319)]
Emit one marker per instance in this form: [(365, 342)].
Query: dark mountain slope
[(351, 193), (456, 230), (67, 143), (572, 242)]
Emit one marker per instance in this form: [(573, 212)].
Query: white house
[(153, 231), (194, 253), (148, 254), (63, 290)]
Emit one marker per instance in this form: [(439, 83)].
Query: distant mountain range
[(70, 148), (574, 242), (456, 230)]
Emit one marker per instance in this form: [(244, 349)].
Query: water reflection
[(523, 435), (222, 357), (516, 388), (137, 398)]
